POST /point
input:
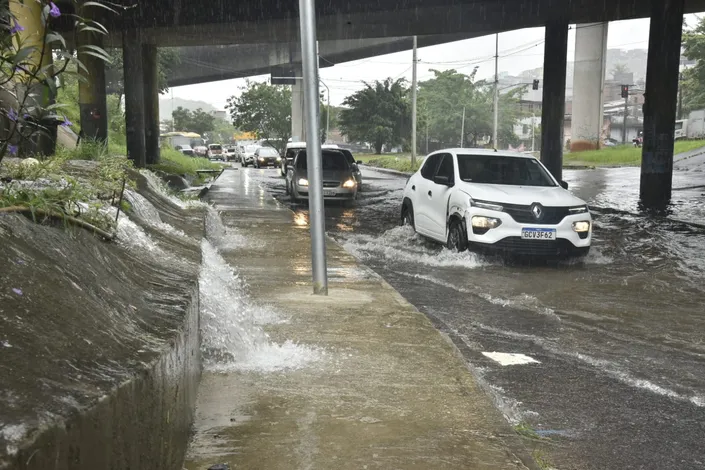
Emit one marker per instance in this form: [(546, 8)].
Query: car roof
[(302, 145), (482, 151)]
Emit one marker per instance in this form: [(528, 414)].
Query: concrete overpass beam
[(660, 102), (588, 85), (134, 96), (151, 102), (554, 70), (298, 116)]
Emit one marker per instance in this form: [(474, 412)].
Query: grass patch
[(523, 429), (176, 163), (54, 189), (541, 459), (394, 161), (625, 155)]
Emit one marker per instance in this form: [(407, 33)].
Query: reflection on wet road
[(620, 337)]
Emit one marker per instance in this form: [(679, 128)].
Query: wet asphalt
[(619, 337)]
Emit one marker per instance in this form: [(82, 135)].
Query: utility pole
[(309, 59), (624, 123), (327, 109), (533, 129), (496, 91), (172, 110), (426, 136), (679, 112), (462, 130), (413, 107)]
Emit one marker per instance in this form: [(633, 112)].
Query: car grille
[(523, 214), (331, 184), (518, 246)]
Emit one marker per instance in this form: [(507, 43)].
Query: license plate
[(329, 193), (538, 233)]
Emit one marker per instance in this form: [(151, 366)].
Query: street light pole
[(462, 130), (413, 107), (533, 129), (309, 59), (496, 91)]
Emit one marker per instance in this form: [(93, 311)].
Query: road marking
[(510, 359)]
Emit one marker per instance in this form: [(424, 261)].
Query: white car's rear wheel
[(407, 215)]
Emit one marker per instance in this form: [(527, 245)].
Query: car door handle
[(430, 194)]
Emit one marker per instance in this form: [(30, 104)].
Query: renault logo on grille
[(537, 210)]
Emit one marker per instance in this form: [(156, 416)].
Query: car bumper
[(329, 194), (268, 162), (507, 237)]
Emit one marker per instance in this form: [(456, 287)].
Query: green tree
[(619, 69), (445, 97), (264, 110), (692, 84), (379, 113), (168, 59), (198, 121)]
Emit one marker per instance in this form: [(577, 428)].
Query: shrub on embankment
[(99, 344)]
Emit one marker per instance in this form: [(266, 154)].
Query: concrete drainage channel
[(100, 342)]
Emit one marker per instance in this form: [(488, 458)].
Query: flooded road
[(619, 337)]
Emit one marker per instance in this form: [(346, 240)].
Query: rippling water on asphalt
[(619, 336)]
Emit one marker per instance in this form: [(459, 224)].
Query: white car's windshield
[(495, 169)]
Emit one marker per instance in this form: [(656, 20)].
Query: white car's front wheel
[(407, 215), (457, 238)]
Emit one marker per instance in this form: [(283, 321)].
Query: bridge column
[(298, 118), (151, 102), (91, 91), (588, 85), (660, 102), (554, 68), (134, 96)]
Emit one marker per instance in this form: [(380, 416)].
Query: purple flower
[(12, 114), (12, 149), (66, 122), (17, 291), (54, 12), (16, 28)]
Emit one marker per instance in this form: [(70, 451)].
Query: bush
[(176, 163)]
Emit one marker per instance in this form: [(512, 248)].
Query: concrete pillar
[(588, 86), (31, 38), (91, 91), (660, 102), (298, 116), (151, 102), (553, 111), (134, 96)]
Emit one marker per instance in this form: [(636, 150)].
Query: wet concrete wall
[(99, 346)]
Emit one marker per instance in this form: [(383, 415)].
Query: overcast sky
[(518, 51)]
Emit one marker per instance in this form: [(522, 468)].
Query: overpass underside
[(173, 23)]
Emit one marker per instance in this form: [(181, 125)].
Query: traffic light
[(625, 91), (535, 85)]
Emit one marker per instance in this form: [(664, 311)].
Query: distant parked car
[(248, 155), (339, 183), (185, 149), (215, 152), (201, 150)]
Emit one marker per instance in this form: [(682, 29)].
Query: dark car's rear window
[(332, 160)]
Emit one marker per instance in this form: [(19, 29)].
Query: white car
[(495, 201)]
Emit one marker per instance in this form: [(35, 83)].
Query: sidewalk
[(390, 393)]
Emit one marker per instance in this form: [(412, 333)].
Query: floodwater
[(617, 340)]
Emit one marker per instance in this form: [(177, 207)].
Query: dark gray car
[(339, 183)]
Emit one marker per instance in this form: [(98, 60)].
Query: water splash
[(145, 211), (131, 236), (225, 238), (403, 244), (232, 336), (161, 188)]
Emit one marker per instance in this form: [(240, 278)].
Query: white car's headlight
[(578, 209), (303, 182), (486, 205), (479, 221), (350, 184), (581, 226)]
